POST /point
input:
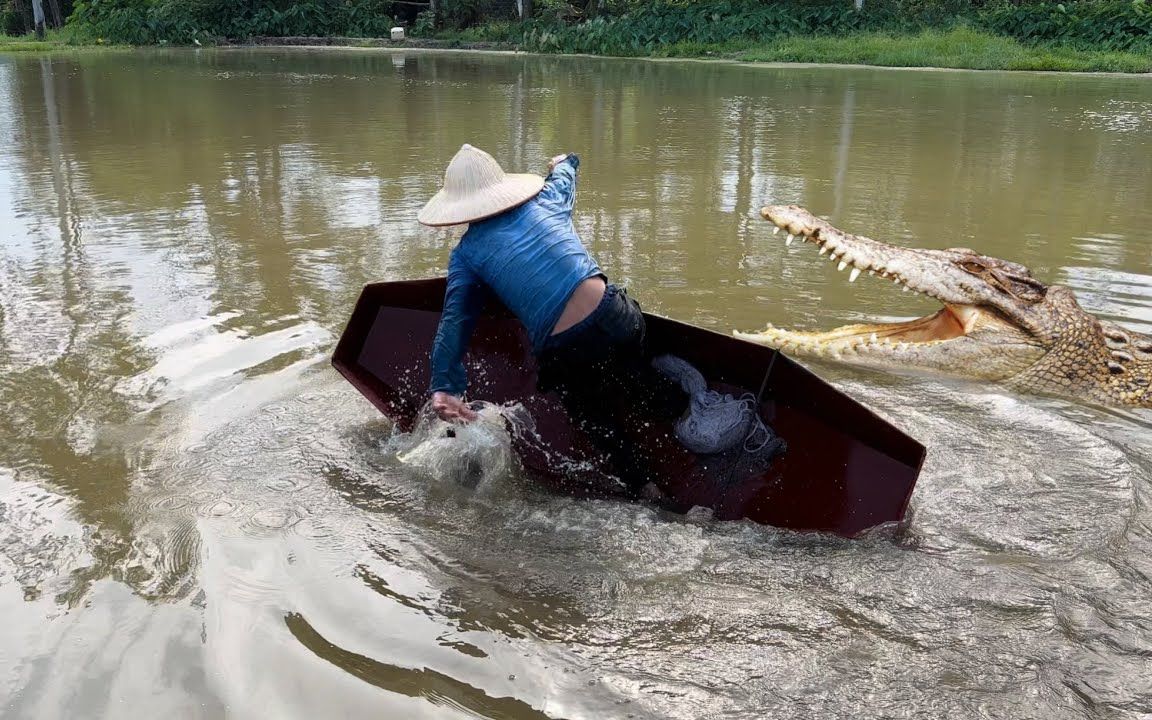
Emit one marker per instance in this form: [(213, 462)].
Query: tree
[(38, 17)]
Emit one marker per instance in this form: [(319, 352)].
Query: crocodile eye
[(1007, 278), (1027, 289)]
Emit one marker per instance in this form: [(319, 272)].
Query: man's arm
[(463, 301), (560, 186)]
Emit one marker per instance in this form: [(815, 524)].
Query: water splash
[(475, 455)]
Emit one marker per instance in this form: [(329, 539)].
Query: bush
[(122, 21), (14, 22), (623, 27), (144, 22), (470, 13), (1106, 25), (473, 15), (642, 29), (425, 25)]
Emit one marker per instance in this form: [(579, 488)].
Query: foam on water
[(475, 455)]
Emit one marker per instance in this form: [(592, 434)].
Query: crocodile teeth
[(789, 240), (906, 289), (873, 338), (841, 266), (776, 230), (823, 249), (854, 274)]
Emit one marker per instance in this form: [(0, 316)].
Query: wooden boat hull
[(846, 469)]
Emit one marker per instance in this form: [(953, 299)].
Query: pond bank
[(958, 49), (447, 42)]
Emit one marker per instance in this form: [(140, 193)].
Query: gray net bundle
[(715, 422)]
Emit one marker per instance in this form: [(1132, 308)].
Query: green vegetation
[(960, 47), (16, 16), (1100, 35), (149, 22), (25, 44), (1096, 25), (1080, 35), (53, 40), (957, 48)]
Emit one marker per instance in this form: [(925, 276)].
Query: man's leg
[(602, 386), (591, 396)]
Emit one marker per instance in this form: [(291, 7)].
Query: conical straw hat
[(476, 188)]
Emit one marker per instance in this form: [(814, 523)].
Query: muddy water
[(199, 519)]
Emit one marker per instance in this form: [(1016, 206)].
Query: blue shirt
[(530, 256)]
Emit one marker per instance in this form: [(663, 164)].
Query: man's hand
[(451, 408), (556, 161)]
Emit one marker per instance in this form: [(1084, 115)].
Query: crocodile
[(997, 324)]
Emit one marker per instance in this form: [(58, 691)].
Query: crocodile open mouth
[(951, 322), (997, 322)]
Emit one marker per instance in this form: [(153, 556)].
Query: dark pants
[(599, 370)]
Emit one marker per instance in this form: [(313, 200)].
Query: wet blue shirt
[(530, 256)]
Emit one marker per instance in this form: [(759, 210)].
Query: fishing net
[(715, 422)]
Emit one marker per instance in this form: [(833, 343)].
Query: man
[(588, 335)]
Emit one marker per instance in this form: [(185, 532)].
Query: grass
[(53, 40), (28, 43), (957, 48), (495, 32)]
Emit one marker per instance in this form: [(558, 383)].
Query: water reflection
[(182, 234)]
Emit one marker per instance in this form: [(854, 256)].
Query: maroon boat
[(845, 470)]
